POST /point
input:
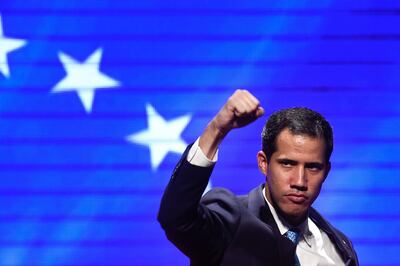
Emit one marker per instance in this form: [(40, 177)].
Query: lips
[(297, 198)]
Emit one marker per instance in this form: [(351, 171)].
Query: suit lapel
[(259, 208), (343, 247)]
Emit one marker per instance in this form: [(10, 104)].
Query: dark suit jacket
[(224, 229)]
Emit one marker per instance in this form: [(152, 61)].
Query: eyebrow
[(293, 162), (287, 161)]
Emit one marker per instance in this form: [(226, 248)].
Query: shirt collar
[(284, 226)]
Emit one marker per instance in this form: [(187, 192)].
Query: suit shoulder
[(224, 195), (224, 203)]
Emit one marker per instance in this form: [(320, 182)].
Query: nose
[(299, 179)]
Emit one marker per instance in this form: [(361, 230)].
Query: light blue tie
[(294, 236)]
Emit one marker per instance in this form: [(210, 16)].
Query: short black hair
[(299, 121)]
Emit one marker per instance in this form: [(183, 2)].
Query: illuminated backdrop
[(98, 98)]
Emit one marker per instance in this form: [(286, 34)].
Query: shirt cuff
[(197, 157)]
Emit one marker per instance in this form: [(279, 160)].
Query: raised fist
[(241, 109)]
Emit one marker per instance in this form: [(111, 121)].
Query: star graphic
[(161, 136), (84, 78), (7, 45)]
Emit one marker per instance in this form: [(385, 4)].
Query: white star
[(84, 78), (161, 136), (7, 45)]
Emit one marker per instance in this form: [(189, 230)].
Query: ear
[(262, 162)]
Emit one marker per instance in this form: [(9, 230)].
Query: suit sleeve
[(199, 228)]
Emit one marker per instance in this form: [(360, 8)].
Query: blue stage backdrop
[(99, 98)]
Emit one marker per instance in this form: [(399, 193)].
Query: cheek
[(279, 179), (277, 183), (315, 187)]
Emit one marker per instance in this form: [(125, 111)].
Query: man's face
[(295, 174)]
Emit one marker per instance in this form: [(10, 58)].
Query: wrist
[(211, 138), (216, 131)]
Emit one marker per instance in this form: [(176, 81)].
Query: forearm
[(210, 139)]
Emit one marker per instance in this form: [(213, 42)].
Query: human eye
[(315, 167), (287, 163)]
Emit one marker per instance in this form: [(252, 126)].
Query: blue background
[(73, 191)]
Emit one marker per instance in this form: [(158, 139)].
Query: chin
[(295, 214)]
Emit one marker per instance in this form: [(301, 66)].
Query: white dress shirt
[(314, 248)]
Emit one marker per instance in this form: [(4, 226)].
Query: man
[(275, 223)]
